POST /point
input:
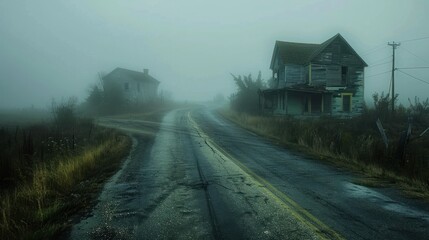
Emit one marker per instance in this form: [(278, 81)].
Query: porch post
[(286, 101), (323, 97)]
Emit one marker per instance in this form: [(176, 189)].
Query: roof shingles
[(303, 53)]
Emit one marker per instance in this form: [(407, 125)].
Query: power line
[(413, 68), (373, 50), (380, 46), (415, 55), (377, 74), (380, 64), (381, 59), (415, 39), (421, 80)]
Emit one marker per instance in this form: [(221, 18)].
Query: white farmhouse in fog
[(138, 87)]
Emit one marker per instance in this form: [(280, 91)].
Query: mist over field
[(190, 119), (55, 49)]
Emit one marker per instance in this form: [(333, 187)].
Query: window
[(347, 102), (307, 104), (344, 73), (126, 86), (138, 87)]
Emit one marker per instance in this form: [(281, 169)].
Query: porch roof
[(301, 89)]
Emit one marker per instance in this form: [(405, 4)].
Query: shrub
[(246, 99), (64, 114)]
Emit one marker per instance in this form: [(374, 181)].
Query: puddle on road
[(362, 192)]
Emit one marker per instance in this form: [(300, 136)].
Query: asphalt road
[(202, 177)]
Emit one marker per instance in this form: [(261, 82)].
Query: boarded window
[(347, 102), (333, 75), (293, 74), (318, 74)]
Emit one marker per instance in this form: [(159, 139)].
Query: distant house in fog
[(315, 79), (138, 87)]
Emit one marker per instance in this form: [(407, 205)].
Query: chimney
[(146, 71)]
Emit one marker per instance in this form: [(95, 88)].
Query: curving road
[(203, 177)]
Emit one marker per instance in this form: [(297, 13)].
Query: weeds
[(44, 169), (354, 142)]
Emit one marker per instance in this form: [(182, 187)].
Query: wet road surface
[(203, 177)]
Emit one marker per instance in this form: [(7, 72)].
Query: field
[(47, 174)]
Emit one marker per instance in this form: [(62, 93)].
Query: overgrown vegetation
[(246, 98), (356, 142), (44, 170)]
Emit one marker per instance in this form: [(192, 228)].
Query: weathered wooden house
[(315, 79), (137, 87)]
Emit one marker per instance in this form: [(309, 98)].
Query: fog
[(54, 49)]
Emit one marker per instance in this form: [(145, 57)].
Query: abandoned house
[(315, 79), (137, 87)]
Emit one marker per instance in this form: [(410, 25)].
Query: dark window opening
[(283, 98), (346, 103), (126, 86), (138, 87), (308, 107), (316, 103), (344, 73)]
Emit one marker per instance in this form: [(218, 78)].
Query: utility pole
[(394, 46)]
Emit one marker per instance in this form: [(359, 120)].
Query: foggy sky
[(54, 49)]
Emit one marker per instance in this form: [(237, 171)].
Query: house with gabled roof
[(315, 79), (137, 87)]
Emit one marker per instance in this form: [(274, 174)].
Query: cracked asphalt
[(202, 177)]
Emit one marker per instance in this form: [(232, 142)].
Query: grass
[(61, 176), (352, 144), (36, 207)]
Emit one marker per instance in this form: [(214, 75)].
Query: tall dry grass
[(32, 208), (355, 142)]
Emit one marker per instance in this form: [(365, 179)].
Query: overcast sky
[(54, 49)]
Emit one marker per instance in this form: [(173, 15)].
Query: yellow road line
[(319, 228)]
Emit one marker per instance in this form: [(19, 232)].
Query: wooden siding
[(330, 76), (294, 74), (355, 77), (356, 89), (318, 75), (337, 53), (336, 67)]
